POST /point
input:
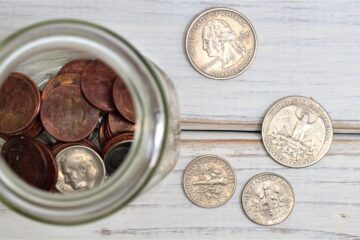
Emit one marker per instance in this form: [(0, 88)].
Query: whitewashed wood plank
[(305, 48), (327, 199)]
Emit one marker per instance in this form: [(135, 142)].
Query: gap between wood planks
[(339, 126)]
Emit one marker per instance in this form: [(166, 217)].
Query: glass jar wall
[(39, 51)]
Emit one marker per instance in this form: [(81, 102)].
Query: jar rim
[(149, 100)]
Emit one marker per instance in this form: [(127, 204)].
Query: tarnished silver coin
[(115, 156), (268, 199), (80, 168), (297, 131), (221, 43), (209, 181)]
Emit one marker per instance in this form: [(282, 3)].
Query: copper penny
[(117, 139), (117, 124), (34, 130), (93, 137), (123, 101), (75, 66), (4, 136), (60, 146), (115, 156), (60, 80), (84, 142), (89, 144), (108, 134), (52, 170), (19, 103), (102, 136), (66, 115), (27, 160), (96, 83)]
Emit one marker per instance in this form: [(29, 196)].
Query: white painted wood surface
[(327, 199), (308, 48)]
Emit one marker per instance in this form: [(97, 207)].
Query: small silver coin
[(80, 168), (209, 181), (268, 199), (116, 156)]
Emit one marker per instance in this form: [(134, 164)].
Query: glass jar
[(39, 51)]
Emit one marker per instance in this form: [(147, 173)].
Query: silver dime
[(115, 156), (209, 181), (268, 199), (80, 168)]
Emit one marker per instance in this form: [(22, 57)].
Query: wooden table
[(305, 48)]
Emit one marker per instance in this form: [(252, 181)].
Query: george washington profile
[(220, 41)]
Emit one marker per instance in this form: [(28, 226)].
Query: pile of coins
[(297, 131), (79, 128), (71, 135)]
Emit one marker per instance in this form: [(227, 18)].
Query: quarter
[(297, 131), (221, 43)]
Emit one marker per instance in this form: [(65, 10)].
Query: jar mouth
[(151, 111)]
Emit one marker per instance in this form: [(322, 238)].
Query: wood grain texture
[(307, 48), (327, 203)]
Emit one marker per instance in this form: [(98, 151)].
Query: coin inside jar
[(101, 136), (115, 140), (27, 160), (268, 199), (66, 115), (19, 103), (96, 84), (80, 168), (63, 79), (34, 129), (52, 171), (84, 142), (117, 124), (115, 156), (75, 66), (123, 101)]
